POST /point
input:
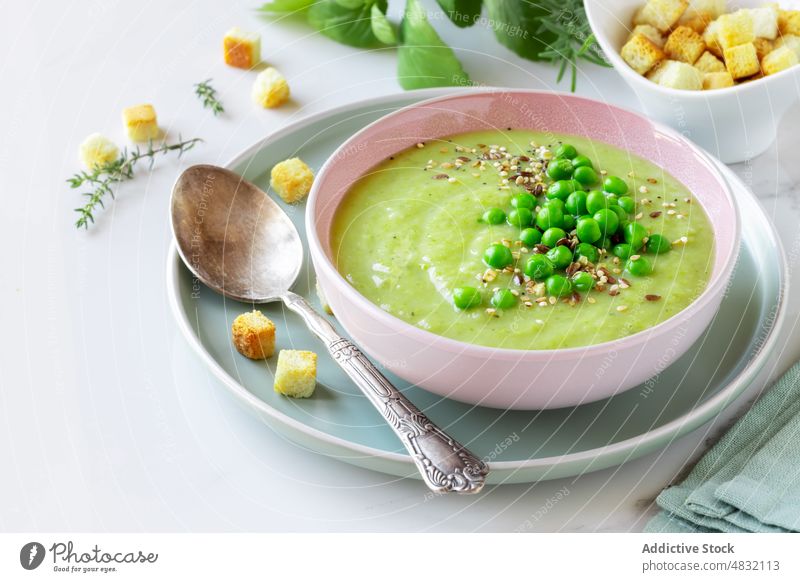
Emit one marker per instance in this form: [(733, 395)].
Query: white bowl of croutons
[(723, 73)]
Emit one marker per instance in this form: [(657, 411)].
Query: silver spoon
[(239, 242)]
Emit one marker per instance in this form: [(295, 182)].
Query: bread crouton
[(684, 44), (790, 40), (296, 373), (764, 46), (717, 80), (708, 63), (714, 8), (710, 38), (742, 60), (698, 22), (778, 60), (241, 49), (292, 180), (789, 22), (650, 32), (663, 14), (270, 88), (735, 29), (641, 54), (141, 122), (677, 75), (765, 21), (97, 150), (254, 335)]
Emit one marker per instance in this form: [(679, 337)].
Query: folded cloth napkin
[(750, 480)]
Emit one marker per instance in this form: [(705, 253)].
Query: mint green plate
[(519, 446)]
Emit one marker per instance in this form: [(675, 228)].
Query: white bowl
[(735, 124)]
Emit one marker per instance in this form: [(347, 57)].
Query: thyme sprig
[(208, 95), (101, 180), (573, 38)]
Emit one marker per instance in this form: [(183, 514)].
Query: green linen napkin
[(750, 480)]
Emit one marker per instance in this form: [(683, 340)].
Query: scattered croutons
[(698, 22), (241, 49), (791, 41), (141, 122), (765, 21), (663, 14), (778, 60), (641, 54), (650, 32), (708, 63), (764, 46), (677, 75), (684, 44), (789, 22), (717, 80), (292, 180), (322, 299), (254, 335), (97, 150), (296, 373), (742, 60), (735, 29), (270, 88)]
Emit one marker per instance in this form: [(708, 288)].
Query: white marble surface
[(107, 420)]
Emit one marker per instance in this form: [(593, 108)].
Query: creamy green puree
[(414, 230)]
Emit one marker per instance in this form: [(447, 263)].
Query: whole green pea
[(588, 230), (639, 266), (561, 257), (582, 281), (566, 151), (560, 189), (658, 244), (559, 169), (466, 297), (549, 217), (635, 234), (582, 161), (555, 203), (538, 267), (585, 175), (623, 251), (503, 299), (498, 256), (552, 235), (576, 203), (595, 201), (558, 286), (520, 217), (530, 237), (523, 201), (608, 221), (587, 250), (615, 185), (569, 222), (494, 216), (628, 204), (621, 214)]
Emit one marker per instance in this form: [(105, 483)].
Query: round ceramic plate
[(519, 446)]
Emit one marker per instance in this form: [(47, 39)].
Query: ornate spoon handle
[(445, 464)]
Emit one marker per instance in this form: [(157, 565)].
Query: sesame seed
[(591, 300), (552, 300), (420, 145), (622, 308), (671, 212), (643, 189), (638, 216), (539, 321), (636, 257), (452, 180)]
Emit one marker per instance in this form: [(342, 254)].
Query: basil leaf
[(462, 13), (286, 5), (381, 27), (351, 26), (517, 26), (423, 59)]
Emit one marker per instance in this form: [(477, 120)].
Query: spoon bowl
[(239, 242)]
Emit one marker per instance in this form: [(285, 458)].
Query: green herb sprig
[(553, 31), (102, 179), (208, 95)]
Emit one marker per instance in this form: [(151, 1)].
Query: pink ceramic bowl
[(505, 378)]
